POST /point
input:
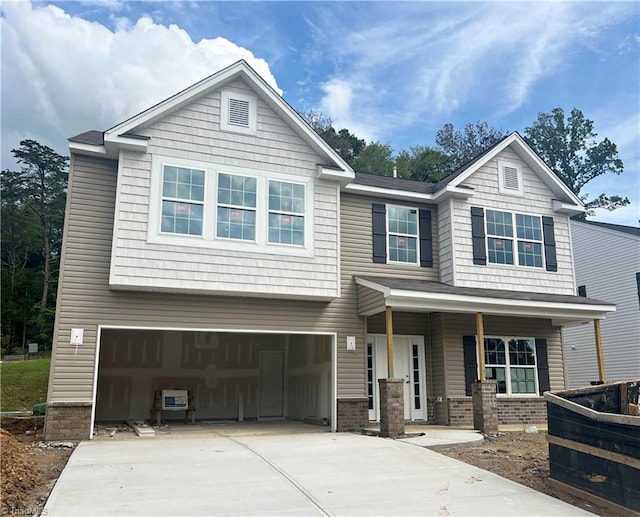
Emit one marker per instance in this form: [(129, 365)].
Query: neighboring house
[(215, 243), (607, 264)]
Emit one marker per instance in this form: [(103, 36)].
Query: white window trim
[(417, 236), (225, 205), (507, 366), (501, 179), (225, 95), (209, 224), (515, 239)]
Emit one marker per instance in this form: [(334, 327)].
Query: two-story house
[(607, 266), (215, 243)]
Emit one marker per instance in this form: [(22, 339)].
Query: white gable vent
[(510, 179), (238, 112)]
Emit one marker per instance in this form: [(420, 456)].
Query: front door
[(408, 364), (271, 384)]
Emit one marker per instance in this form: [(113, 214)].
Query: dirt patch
[(523, 458), (29, 467)]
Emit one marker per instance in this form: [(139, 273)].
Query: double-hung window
[(182, 200), (286, 213), (522, 247), (511, 362), (236, 208), (402, 234)]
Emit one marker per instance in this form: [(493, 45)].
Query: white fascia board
[(567, 209), (372, 285), (119, 142), (88, 149), (341, 176), (407, 195), (471, 304)]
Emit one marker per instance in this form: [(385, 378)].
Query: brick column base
[(485, 406), (391, 407), (353, 414), (68, 421)]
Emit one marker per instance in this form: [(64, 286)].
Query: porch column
[(480, 334), (596, 328), (483, 391), (389, 325), (391, 391)]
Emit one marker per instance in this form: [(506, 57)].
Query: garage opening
[(227, 375)]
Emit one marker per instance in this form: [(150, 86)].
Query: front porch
[(475, 356)]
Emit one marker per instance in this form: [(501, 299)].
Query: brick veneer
[(67, 421), (530, 410), (391, 407), (485, 406), (353, 414)]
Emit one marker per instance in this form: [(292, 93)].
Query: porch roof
[(376, 293)]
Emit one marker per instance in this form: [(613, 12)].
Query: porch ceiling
[(426, 296)]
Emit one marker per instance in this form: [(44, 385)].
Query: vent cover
[(511, 180), (239, 112)]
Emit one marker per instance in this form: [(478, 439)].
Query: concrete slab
[(436, 436), (318, 473)]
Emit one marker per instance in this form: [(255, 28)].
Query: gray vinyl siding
[(606, 263), (537, 200), (436, 356), (370, 301), (357, 243), (459, 325), (192, 133), (85, 300)]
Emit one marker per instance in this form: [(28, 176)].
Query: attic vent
[(239, 112), (511, 178)]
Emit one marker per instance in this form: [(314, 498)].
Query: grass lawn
[(24, 383)]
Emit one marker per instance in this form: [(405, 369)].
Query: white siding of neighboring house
[(537, 200), (606, 263), (193, 134), (445, 243)]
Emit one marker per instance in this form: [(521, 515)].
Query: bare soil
[(523, 458), (30, 467)]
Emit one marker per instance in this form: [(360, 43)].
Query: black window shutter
[(543, 365), (426, 239), (549, 244), (638, 285), (477, 233), (379, 224), (470, 362), (582, 291)]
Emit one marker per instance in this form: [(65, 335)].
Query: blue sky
[(388, 71)]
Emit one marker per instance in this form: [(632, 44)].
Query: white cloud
[(63, 75), (436, 59)]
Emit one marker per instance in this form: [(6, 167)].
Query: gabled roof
[(124, 133), (631, 230), (530, 157)]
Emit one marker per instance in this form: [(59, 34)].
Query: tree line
[(33, 198)]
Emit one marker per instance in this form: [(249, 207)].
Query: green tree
[(462, 146), (33, 201), (347, 145), (569, 147), (423, 163), (375, 158)]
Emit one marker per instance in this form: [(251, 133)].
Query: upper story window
[(182, 200), (522, 247), (511, 362), (237, 201), (227, 207), (286, 213), (402, 234)]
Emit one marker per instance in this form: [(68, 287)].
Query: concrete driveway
[(317, 473)]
